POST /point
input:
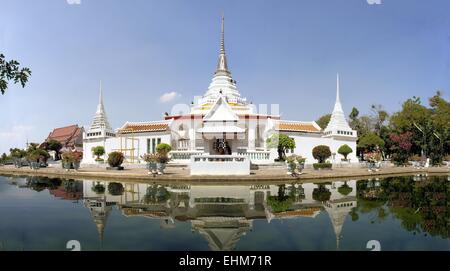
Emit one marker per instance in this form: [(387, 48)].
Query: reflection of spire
[(100, 210), (222, 233), (338, 210)]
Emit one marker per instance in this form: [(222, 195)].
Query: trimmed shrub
[(115, 189), (322, 166), (98, 151), (345, 150), (115, 159), (163, 148), (321, 153)]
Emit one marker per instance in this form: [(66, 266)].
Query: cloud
[(372, 2), (169, 96), (73, 2)]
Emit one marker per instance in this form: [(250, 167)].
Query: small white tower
[(100, 127), (338, 125)]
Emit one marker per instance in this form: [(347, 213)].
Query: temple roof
[(67, 136), (141, 127), (297, 126)]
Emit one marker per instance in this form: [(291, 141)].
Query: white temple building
[(221, 122)]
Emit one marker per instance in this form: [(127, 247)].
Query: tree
[(323, 121), (54, 145), (98, 151), (370, 142), (380, 117), (401, 147), (115, 159), (10, 70), (345, 150), (282, 143), (321, 153)]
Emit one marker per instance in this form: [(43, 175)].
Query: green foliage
[(115, 159), (321, 193), (37, 154), (98, 151), (321, 153), (10, 70), (322, 166), (17, 153), (370, 142), (54, 145), (163, 148), (282, 143), (323, 121), (345, 189), (115, 189), (345, 150), (99, 188)]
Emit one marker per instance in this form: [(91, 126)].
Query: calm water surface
[(402, 213)]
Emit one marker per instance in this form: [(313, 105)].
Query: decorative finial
[(337, 88), (100, 100), (222, 40)]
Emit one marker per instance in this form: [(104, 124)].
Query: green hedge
[(322, 165)]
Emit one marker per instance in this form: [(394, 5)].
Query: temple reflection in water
[(221, 214)]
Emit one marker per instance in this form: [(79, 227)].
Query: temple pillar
[(251, 135)]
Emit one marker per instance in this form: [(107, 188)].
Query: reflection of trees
[(345, 189), (115, 189), (321, 193), (40, 183), (420, 206), (156, 194), (282, 202), (98, 188)]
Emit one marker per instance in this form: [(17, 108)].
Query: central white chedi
[(221, 122)]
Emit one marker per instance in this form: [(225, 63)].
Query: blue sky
[(280, 52)]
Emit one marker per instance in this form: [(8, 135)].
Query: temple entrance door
[(222, 147)]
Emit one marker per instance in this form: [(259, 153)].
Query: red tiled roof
[(144, 127), (67, 136), (297, 127)]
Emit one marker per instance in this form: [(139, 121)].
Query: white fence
[(219, 165)]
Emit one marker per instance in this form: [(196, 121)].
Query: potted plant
[(372, 158), (162, 157), (161, 160), (77, 157), (345, 150), (301, 163), (151, 160), (98, 151), (33, 159), (291, 162), (415, 160), (115, 160), (67, 159), (447, 160)]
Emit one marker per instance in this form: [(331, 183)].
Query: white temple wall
[(305, 143)]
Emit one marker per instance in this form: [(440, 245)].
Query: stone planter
[(35, 165), (291, 168), (76, 165), (66, 165), (160, 167), (301, 167), (115, 168), (151, 166)]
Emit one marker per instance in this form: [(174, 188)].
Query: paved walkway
[(181, 174)]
